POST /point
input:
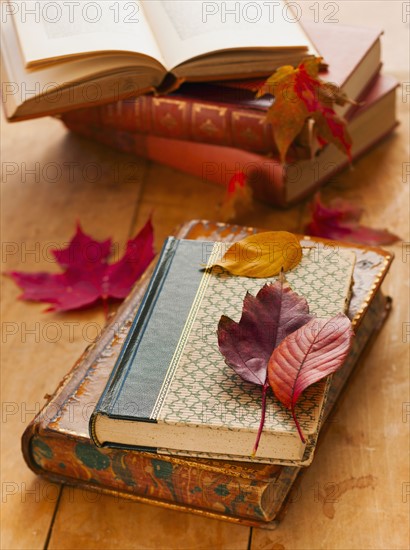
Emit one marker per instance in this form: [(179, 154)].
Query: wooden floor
[(51, 179)]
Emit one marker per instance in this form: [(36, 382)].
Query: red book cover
[(228, 114), (273, 182)]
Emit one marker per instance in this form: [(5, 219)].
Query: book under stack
[(214, 130), (151, 411)]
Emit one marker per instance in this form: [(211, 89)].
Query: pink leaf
[(138, 255), (312, 352), (267, 318), (88, 277), (238, 197), (83, 250), (340, 221)]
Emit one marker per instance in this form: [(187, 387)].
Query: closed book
[(56, 443), (273, 182), (171, 389), (231, 116)]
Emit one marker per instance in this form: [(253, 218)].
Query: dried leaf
[(314, 351), (301, 95), (267, 318), (238, 197), (88, 277), (340, 221), (263, 254)]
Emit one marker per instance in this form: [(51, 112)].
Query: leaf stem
[(302, 437), (263, 414)]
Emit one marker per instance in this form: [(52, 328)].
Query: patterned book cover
[(172, 390), (56, 444)]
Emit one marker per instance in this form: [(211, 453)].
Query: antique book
[(56, 443), (273, 182), (65, 56), (231, 116), (171, 389)]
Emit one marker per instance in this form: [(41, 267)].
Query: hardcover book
[(171, 389), (120, 49), (56, 443), (231, 116), (273, 182)]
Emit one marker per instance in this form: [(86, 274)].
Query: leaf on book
[(301, 95), (340, 221), (262, 254), (267, 318), (88, 277), (238, 197), (312, 352)]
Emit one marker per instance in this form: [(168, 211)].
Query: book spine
[(185, 119), (161, 480), (135, 333), (207, 162)]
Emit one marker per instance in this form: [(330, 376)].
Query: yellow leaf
[(312, 66), (262, 255), (269, 86)]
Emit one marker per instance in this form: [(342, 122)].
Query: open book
[(59, 56)]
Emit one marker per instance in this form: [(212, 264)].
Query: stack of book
[(174, 425), (212, 131), (108, 81)]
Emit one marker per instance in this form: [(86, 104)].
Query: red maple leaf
[(87, 276), (238, 197), (340, 221)]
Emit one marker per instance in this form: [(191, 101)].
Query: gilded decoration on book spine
[(249, 131), (209, 121), (168, 117)]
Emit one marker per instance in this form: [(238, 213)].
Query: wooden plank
[(175, 198), (39, 209), (93, 520), (106, 206), (356, 493)]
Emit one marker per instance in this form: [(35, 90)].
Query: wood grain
[(355, 495), (92, 520)]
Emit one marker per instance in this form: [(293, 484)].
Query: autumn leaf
[(312, 352), (262, 254), (88, 277), (267, 318), (340, 221), (238, 197), (300, 95)]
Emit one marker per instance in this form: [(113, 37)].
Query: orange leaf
[(300, 95)]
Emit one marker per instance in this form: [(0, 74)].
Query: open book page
[(49, 31), (185, 29), (55, 88)]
